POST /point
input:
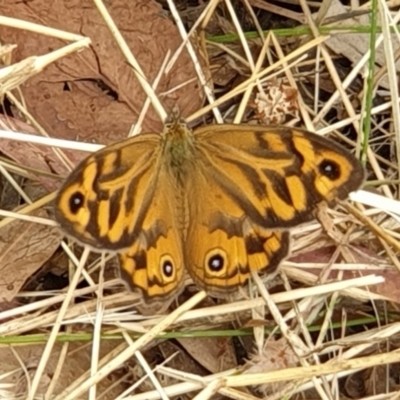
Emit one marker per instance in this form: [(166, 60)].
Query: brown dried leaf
[(179, 359), (24, 248), (174, 357), (275, 355), (389, 288), (76, 363), (93, 95), (35, 157), (372, 381), (214, 354), (353, 45)]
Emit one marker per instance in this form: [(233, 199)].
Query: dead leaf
[(390, 288), (179, 359), (24, 248), (35, 157), (173, 357), (275, 355), (76, 363), (354, 46), (93, 95), (214, 354)]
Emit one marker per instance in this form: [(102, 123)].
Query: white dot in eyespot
[(216, 263), (168, 268), (77, 200)]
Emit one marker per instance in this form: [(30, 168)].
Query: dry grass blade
[(72, 393), (131, 59), (313, 371)]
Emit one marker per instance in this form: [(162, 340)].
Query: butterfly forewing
[(102, 200), (276, 175)]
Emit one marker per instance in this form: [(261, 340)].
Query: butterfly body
[(217, 202)]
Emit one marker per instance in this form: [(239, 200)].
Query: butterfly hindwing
[(223, 244), (220, 261)]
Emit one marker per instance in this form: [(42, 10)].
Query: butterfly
[(217, 202)]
